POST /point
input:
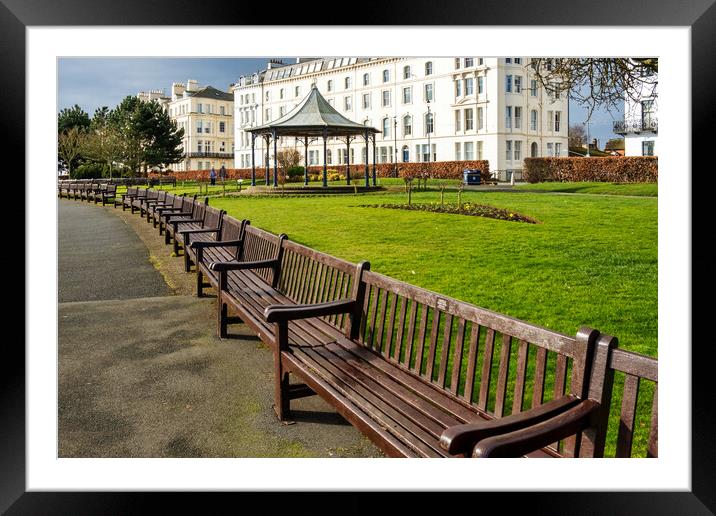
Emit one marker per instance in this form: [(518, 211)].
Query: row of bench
[(421, 374)]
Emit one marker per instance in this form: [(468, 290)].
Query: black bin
[(471, 176)]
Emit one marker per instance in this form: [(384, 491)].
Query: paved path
[(101, 257), (147, 377)]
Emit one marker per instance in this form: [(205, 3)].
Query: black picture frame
[(699, 15)]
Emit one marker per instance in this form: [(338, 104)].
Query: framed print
[(40, 38)]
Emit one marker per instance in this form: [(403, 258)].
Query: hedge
[(436, 170), (613, 169)]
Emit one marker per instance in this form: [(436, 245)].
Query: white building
[(640, 126), (206, 115), (464, 108)]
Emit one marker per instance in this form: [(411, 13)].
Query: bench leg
[(199, 283), (222, 316), (282, 404), (187, 261), (176, 245), (166, 235)]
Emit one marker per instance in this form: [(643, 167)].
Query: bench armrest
[(182, 221), (176, 214), (526, 440), (220, 243), (239, 266), (462, 438), (283, 313)]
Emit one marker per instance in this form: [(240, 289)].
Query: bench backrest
[(310, 276), (232, 229), (213, 217), (199, 207), (491, 362), (151, 194), (111, 188), (260, 245), (132, 190)]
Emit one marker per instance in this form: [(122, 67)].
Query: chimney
[(192, 85)]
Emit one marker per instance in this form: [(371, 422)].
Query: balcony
[(220, 155), (647, 125)]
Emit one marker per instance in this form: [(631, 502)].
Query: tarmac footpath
[(141, 372)]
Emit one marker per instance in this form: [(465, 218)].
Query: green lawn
[(640, 189)]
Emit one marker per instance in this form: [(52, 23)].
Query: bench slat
[(628, 416), (503, 374), (520, 378), (487, 357), (457, 357), (472, 362)]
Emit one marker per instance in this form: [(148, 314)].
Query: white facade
[(481, 108), (640, 126), (206, 115)]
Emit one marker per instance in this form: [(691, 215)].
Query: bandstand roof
[(310, 118)]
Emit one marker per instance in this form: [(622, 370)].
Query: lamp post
[(429, 130), (395, 145)]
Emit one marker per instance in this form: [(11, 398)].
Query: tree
[(150, 138), (72, 117), (69, 146), (103, 143), (577, 135), (593, 82), (287, 159)]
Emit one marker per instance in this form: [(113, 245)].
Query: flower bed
[(467, 208)]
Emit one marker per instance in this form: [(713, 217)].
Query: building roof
[(312, 117), (209, 92), (614, 144)]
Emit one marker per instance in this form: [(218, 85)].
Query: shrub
[(613, 169), (92, 171), (295, 172)]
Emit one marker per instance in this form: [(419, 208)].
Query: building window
[(479, 149), (469, 86), (281, 111), (386, 128), (518, 117), (558, 149), (458, 155), (508, 117), (458, 88), (429, 123), (366, 101), (429, 92), (429, 68), (480, 119), (458, 120), (329, 86), (406, 154), (508, 150), (297, 91), (408, 95), (407, 125), (268, 95), (533, 120), (550, 150), (550, 118), (647, 148), (469, 121), (347, 83), (348, 103), (200, 107), (518, 150), (508, 83), (366, 79), (386, 75), (508, 60), (518, 84), (386, 98), (557, 120), (329, 157), (406, 72), (198, 126), (647, 115), (222, 110), (480, 85), (518, 60), (199, 146), (457, 63), (222, 127), (425, 153), (469, 151), (268, 114), (207, 127), (469, 62), (222, 147)]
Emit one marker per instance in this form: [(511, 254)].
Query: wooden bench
[(153, 198), (209, 227), (192, 211), (419, 373), (127, 198), (172, 204), (143, 196)]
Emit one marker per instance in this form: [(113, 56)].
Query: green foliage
[(92, 171), (472, 209), (295, 172), (72, 117)]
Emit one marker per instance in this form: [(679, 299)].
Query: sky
[(96, 82)]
